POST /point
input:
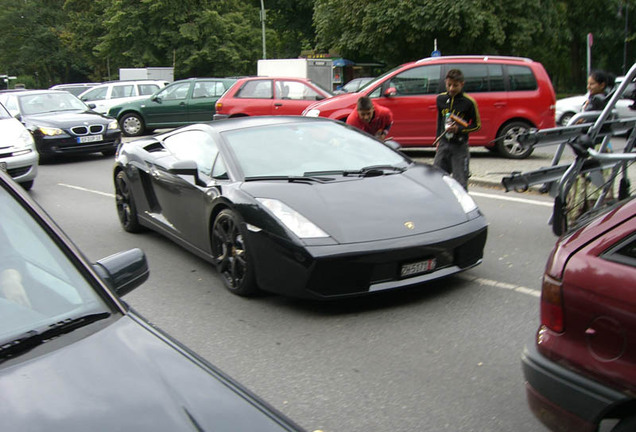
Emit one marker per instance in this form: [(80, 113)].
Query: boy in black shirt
[(457, 116)]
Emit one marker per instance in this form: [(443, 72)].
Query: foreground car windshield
[(50, 102), (302, 148), (39, 285)]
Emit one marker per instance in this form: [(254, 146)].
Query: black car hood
[(66, 119), (123, 378), (357, 209)]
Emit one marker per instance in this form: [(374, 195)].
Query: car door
[(201, 107), (255, 97), (184, 204), (169, 106), (412, 102), (291, 97)]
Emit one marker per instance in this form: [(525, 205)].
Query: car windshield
[(296, 149), (40, 103), (39, 285), (4, 114)]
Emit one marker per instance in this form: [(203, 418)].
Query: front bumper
[(22, 168), (220, 116), (562, 399), (68, 145), (337, 271)]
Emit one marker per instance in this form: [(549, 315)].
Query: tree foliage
[(54, 41)]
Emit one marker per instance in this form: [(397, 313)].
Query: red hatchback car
[(581, 370), (513, 94), (257, 96)]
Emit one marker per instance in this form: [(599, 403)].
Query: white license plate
[(3, 166), (418, 267), (90, 139)]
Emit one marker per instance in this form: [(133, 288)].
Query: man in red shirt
[(375, 120)]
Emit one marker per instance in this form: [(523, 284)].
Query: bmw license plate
[(3, 166), (418, 267), (90, 139)]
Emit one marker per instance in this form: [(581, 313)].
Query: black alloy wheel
[(231, 255), (126, 209)]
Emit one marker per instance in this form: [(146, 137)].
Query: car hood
[(124, 377), (337, 101), (12, 130), (357, 209), (65, 119), (571, 103)]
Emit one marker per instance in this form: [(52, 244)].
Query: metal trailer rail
[(588, 134)]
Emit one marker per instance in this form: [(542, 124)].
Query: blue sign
[(436, 53)]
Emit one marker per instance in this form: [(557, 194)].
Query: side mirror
[(156, 99), (92, 105), (123, 271), (186, 167), (391, 91)]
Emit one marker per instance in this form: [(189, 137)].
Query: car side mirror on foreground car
[(391, 91), (123, 271)]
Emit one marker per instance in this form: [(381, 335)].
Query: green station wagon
[(181, 103)]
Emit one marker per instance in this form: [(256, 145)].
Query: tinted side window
[(624, 252), (194, 145), (257, 89), (417, 81), (521, 78), (475, 77)]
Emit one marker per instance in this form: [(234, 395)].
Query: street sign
[(436, 53)]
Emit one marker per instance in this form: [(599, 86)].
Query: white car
[(566, 108), (114, 93), (18, 156)]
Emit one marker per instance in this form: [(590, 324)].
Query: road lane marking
[(502, 285), (519, 200), (109, 195)]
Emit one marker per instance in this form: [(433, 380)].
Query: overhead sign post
[(436, 52), (590, 42)]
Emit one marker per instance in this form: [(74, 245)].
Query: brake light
[(552, 304)]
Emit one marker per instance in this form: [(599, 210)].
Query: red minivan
[(513, 94)]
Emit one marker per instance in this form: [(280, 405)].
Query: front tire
[(132, 125), (126, 208), (231, 254), (508, 144)]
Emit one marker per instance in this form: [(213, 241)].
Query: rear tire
[(126, 208), (508, 144)]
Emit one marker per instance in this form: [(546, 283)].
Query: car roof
[(255, 121), (484, 58)]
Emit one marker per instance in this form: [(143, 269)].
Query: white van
[(113, 93)]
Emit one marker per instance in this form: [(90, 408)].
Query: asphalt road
[(441, 357)]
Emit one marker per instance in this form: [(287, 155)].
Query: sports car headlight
[(465, 200), (313, 113), (294, 221), (113, 125), (49, 131)]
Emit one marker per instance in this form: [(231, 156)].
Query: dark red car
[(581, 370), (257, 96)]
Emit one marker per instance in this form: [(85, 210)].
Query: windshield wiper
[(304, 178), (369, 171), (33, 338)]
